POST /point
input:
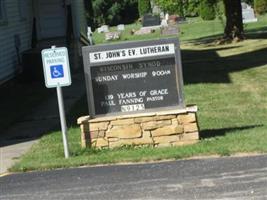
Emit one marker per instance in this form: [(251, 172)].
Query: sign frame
[(88, 64), (61, 81)]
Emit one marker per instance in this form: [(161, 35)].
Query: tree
[(144, 7), (191, 8), (207, 9), (260, 6), (234, 24), (89, 13), (114, 12), (172, 6)]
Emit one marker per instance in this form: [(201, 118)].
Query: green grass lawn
[(194, 29), (229, 85)]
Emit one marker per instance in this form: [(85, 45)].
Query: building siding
[(9, 63), (15, 26), (79, 17)]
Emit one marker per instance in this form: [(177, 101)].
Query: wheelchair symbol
[(56, 71)]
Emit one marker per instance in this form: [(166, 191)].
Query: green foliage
[(144, 7), (207, 9), (89, 14), (249, 2), (182, 8), (219, 7), (191, 8), (260, 6), (114, 12), (171, 6)]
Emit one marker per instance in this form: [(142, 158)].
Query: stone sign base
[(169, 128)]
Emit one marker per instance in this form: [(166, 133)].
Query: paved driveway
[(214, 178)]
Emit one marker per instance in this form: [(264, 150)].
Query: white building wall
[(15, 26)]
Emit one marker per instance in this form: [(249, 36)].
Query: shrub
[(207, 9), (144, 7), (172, 7), (219, 8), (182, 7), (192, 8), (113, 12), (260, 6)]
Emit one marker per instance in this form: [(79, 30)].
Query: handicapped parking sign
[(57, 71), (56, 67), (57, 74)]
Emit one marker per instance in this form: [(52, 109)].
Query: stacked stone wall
[(170, 128)]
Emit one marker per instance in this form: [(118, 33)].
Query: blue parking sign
[(56, 67), (57, 71)]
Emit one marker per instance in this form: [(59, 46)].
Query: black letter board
[(133, 77)]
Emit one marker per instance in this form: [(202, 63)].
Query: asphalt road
[(215, 178)]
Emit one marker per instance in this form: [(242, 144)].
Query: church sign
[(133, 77)]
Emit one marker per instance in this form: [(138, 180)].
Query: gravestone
[(164, 23), (161, 15), (133, 77), (167, 16), (174, 20), (112, 36), (90, 35), (103, 29), (170, 30), (248, 14), (151, 20), (121, 27), (144, 31)]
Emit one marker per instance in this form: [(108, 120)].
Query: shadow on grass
[(206, 66), (210, 133), (255, 33), (79, 109)]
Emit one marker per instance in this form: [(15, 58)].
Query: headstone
[(161, 15), (164, 23), (103, 29), (170, 30), (112, 36), (173, 20), (156, 10), (151, 20), (133, 77), (90, 35), (144, 31), (121, 27), (248, 13), (167, 16)]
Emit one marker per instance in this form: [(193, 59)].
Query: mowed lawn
[(228, 83)]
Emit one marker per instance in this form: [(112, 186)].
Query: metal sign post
[(62, 121), (57, 74)]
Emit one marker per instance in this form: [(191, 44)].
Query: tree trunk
[(234, 23)]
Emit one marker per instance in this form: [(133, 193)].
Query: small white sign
[(131, 53), (56, 67), (134, 107)]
